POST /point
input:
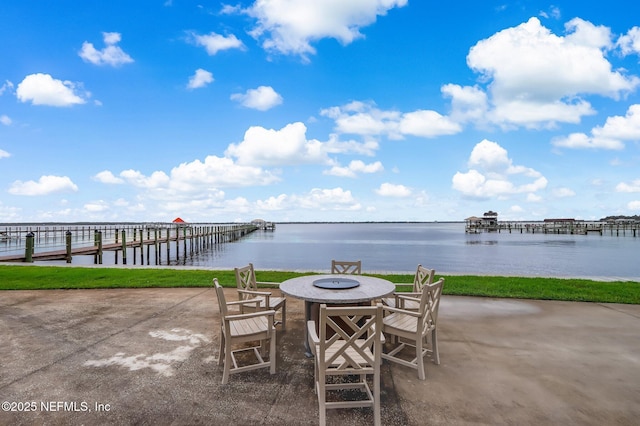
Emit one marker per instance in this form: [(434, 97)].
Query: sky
[(306, 110)]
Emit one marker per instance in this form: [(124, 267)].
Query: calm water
[(393, 247), (443, 246)]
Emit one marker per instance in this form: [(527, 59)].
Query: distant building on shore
[(488, 222)]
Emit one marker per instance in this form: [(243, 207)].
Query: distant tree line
[(634, 217)]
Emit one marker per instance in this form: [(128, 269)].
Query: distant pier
[(146, 243), (557, 226)]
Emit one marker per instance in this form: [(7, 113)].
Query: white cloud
[(42, 89), (467, 103), (44, 186), (262, 98), (288, 145), (563, 192), (4, 154), (537, 78), (290, 27), (200, 79), (427, 124), (391, 190), (630, 42), (96, 206), (215, 43), (4, 119), (634, 206), (612, 135), (355, 167), (493, 175), (7, 85), (633, 186), (365, 119), (111, 54), (327, 199), (106, 176)]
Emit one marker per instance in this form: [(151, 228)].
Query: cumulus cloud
[(327, 199), (492, 174), (200, 79), (44, 186), (214, 43), (288, 145), (633, 186), (537, 78), (365, 119), (262, 98), (612, 135), (42, 89), (634, 206), (4, 119), (392, 190), (106, 176), (355, 167), (4, 154), (290, 27), (111, 54), (630, 42), (194, 182)]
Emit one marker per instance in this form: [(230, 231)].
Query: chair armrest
[(255, 300), (255, 293), (313, 335), (401, 311), (270, 313)]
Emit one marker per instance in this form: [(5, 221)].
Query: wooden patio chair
[(248, 290), (422, 277), (414, 329), (348, 345), (242, 328), (346, 267)]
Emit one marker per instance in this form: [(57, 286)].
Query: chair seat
[(400, 322), (249, 326), (274, 302)]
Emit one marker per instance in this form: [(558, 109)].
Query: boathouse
[(488, 222)]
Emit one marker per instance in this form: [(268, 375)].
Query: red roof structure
[(178, 220)]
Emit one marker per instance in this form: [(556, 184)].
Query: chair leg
[(434, 346), (420, 358), (272, 353), (221, 349), (322, 403), (284, 315), (376, 403), (227, 364)]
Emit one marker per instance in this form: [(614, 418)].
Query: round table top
[(370, 288)]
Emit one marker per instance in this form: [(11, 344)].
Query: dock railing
[(146, 242)]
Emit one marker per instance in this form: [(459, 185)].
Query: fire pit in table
[(336, 283)]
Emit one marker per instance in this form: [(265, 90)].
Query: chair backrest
[(346, 267), (246, 280), (222, 302), (429, 304), (422, 277), (350, 339)]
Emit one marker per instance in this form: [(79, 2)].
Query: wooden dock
[(129, 242), (573, 227)]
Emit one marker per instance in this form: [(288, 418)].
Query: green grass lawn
[(17, 277)]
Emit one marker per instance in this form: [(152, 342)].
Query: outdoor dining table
[(334, 289)]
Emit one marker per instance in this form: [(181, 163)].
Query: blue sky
[(301, 110)]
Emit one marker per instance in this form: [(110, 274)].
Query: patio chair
[(347, 348), (414, 329), (346, 267), (248, 290), (242, 328), (422, 277)]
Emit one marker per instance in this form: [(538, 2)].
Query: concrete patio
[(148, 356)]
